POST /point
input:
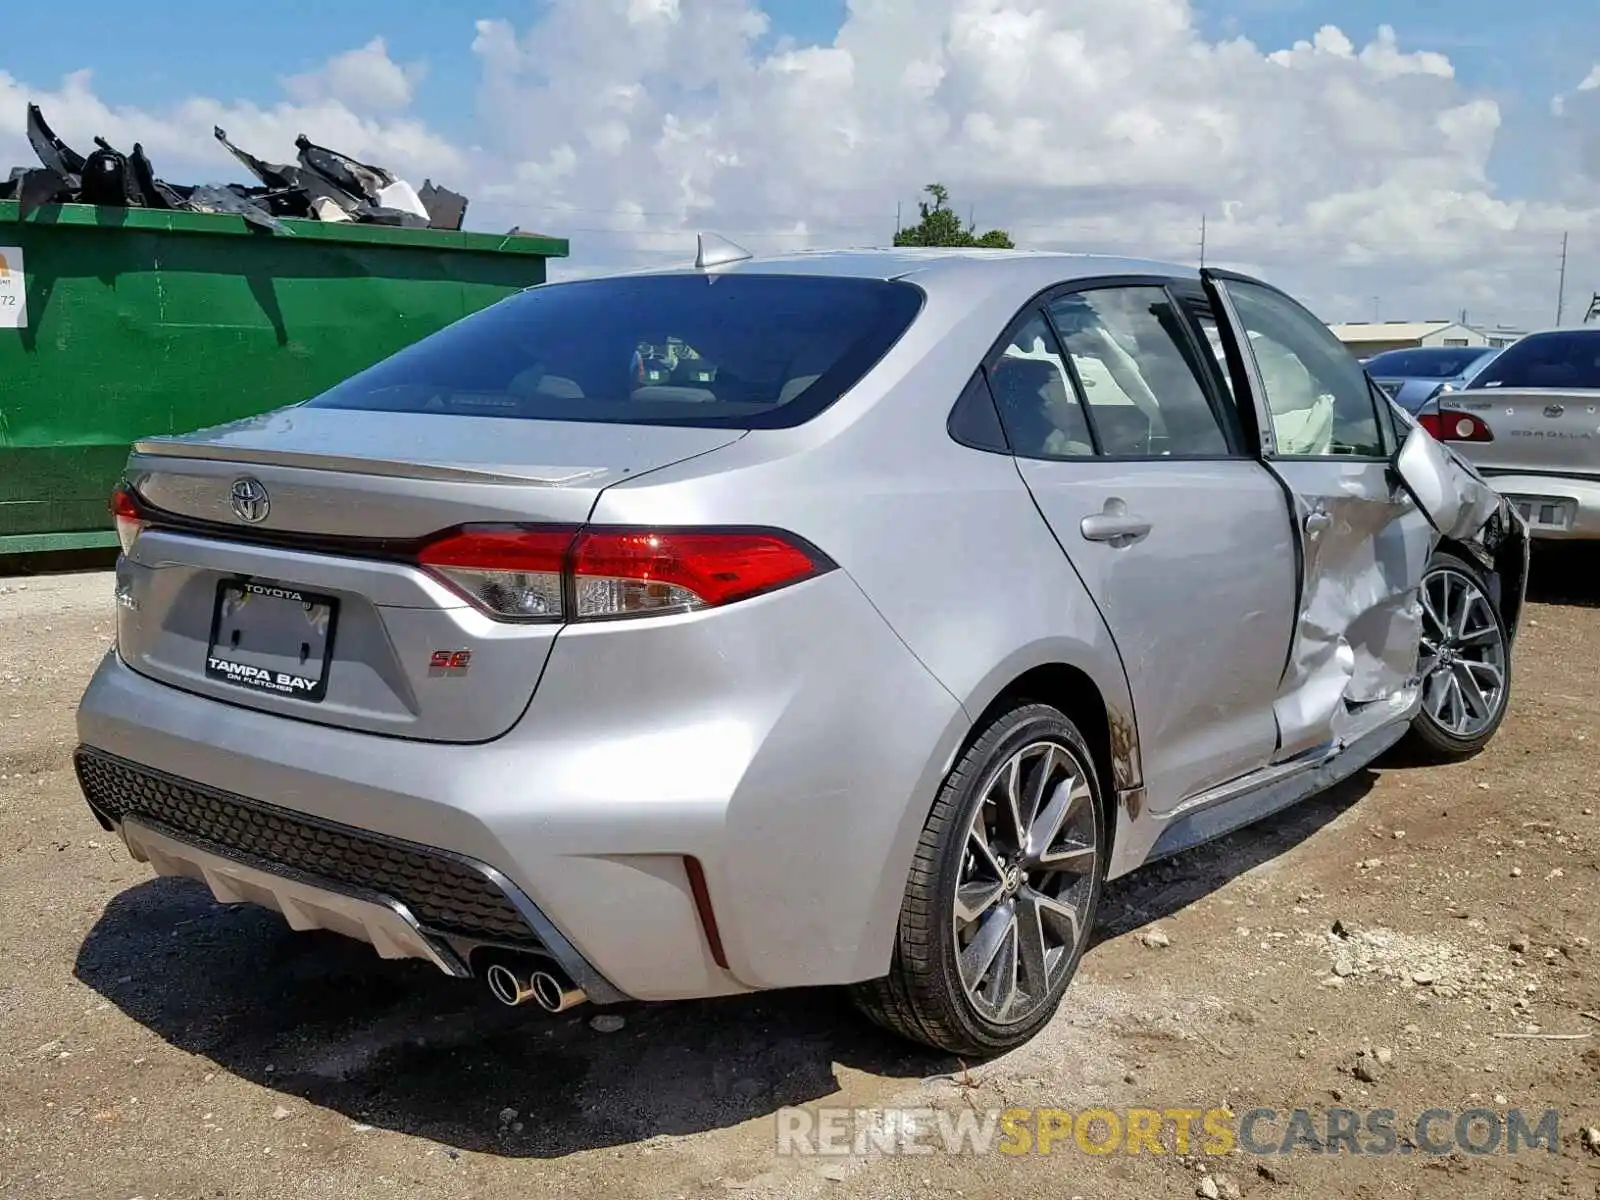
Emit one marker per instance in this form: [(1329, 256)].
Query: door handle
[(1317, 522), (1114, 527)]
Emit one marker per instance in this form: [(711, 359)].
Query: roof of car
[(946, 264), (1581, 330), (1438, 351)]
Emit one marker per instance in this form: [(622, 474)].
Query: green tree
[(941, 227)]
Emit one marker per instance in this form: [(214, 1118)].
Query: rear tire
[(1465, 664), (1002, 893)]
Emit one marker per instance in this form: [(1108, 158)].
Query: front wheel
[(1465, 662), (1002, 893)]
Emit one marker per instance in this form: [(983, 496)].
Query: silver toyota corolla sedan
[(841, 618), (1528, 423)]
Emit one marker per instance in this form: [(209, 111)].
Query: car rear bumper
[(386, 924), (789, 746), (406, 900), (1555, 508)]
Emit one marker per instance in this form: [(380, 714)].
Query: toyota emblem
[(249, 500)]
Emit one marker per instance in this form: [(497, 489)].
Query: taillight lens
[(534, 573), (634, 573), (129, 520), (1448, 426), (511, 573)]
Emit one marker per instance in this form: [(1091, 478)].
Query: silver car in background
[(1530, 423), (840, 618)]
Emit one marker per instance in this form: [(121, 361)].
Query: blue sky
[(185, 47), (1520, 53), (1352, 177), (220, 50)]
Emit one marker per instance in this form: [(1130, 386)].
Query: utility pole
[(897, 204), (1561, 290), (1202, 241)]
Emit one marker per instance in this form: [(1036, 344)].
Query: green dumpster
[(117, 324)]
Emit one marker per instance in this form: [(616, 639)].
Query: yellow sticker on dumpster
[(13, 289)]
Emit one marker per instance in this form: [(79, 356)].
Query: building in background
[(1366, 338), (1502, 336)]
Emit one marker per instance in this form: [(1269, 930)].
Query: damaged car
[(960, 584)]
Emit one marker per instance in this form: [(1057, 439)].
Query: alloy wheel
[(1463, 659), (1026, 881)]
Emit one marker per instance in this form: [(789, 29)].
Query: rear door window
[(1134, 360), (735, 350), (1034, 393), (1559, 359)]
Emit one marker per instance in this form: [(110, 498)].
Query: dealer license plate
[(272, 638)]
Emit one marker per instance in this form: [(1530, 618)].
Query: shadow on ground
[(56, 562), (397, 1045), (1565, 574), (1164, 888)]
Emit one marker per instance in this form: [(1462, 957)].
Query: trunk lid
[(312, 610), (349, 473), (1539, 431)]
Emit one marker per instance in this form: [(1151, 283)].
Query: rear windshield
[(736, 350), (1562, 359), (1425, 364)]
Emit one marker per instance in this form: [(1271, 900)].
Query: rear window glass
[(1567, 359), (1425, 364), (738, 350)]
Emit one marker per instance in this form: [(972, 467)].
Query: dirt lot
[(155, 1044)]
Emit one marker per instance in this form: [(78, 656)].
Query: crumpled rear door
[(1363, 542)]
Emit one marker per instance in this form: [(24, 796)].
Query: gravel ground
[(1363, 950)]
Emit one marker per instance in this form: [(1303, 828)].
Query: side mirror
[(1456, 503)]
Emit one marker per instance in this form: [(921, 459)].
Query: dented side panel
[(1371, 503), (1365, 546)]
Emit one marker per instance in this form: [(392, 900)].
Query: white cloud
[(179, 142), (1579, 114), (366, 80), (1345, 165)]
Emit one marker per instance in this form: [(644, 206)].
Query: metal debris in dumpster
[(124, 321), (322, 184)]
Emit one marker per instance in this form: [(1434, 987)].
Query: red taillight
[(535, 573), (509, 572), (128, 516), (634, 572), (1447, 426)]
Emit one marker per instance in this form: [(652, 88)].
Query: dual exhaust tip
[(514, 983)]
